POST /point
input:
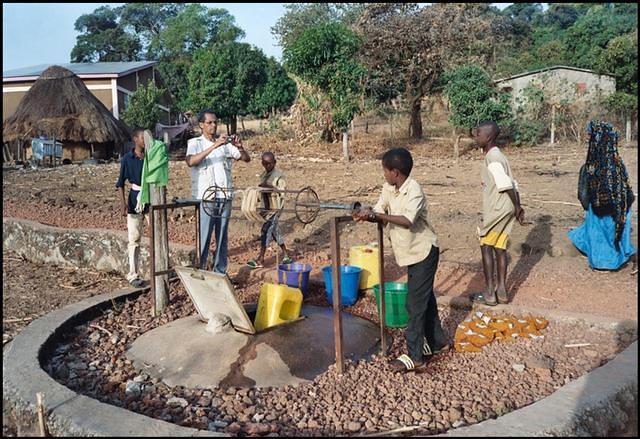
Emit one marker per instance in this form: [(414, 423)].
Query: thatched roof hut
[(60, 106)]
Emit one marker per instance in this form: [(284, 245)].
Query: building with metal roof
[(111, 82)]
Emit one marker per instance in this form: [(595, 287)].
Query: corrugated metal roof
[(112, 69), (548, 69)]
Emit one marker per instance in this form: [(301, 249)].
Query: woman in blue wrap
[(604, 190)]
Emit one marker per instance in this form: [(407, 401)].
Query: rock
[(218, 424), (354, 427), (234, 428), (141, 378), (257, 417), (62, 372), (458, 423), (94, 337), (133, 388), (540, 362), (114, 339), (591, 353), (313, 424), (454, 415), (216, 402), (518, 367), (177, 402)]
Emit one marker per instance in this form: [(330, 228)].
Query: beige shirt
[(496, 180), (276, 179), (411, 245)]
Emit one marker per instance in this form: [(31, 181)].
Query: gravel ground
[(457, 389)]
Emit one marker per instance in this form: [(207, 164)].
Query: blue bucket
[(295, 275), (349, 281)]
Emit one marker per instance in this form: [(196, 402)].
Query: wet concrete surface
[(182, 353)]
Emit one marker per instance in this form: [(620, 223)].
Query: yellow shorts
[(495, 239)]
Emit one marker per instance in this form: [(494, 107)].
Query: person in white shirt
[(210, 160)]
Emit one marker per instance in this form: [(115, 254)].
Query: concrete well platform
[(183, 353)]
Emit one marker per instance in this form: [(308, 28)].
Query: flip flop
[(254, 264), (479, 298), (405, 364)]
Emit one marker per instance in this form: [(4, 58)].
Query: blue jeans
[(222, 209)]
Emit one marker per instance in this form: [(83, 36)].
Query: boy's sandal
[(501, 300), (254, 264), (405, 364), (479, 298), (287, 260)]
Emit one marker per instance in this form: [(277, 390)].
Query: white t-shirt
[(215, 169)]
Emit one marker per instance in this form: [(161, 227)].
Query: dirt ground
[(545, 270)]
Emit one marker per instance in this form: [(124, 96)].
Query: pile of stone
[(458, 389)]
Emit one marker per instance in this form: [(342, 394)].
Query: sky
[(43, 33)]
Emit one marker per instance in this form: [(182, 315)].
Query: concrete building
[(559, 83), (111, 82)]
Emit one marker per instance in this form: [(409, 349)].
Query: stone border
[(601, 400), (69, 413)]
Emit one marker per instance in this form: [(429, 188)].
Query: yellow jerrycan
[(277, 304), (366, 257)]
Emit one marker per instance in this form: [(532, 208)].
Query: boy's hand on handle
[(124, 209), (361, 214)]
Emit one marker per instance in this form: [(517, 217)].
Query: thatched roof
[(61, 106)]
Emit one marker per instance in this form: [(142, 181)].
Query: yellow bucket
[(277, 304), (366, 257)]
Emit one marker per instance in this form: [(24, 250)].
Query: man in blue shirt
[(131, 169)]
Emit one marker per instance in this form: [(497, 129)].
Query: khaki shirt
[(411, 245), (276, 179), (496, 180)]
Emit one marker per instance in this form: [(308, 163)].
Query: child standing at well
[(402, 207)]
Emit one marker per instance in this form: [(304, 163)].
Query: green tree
[(195, 27), (226, 78), (277, 94), (324, 57), (300, 16), (418, 44), (473, 99), (620, 59), (588, 37), (103, 38), (146, 21), (143, 110)]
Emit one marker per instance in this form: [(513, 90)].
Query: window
[(126, 101)]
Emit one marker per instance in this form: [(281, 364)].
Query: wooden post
[(353, 130), (335, 278), (383, 311), (345, 145), (40, 410), (627, 135), (166, 139), (553, 124), (160, 252)]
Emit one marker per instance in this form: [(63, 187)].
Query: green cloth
[(154, 170)]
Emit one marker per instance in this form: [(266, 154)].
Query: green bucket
[(395, 299)]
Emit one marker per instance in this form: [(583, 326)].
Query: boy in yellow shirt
[(403, 208), (500, 209)]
